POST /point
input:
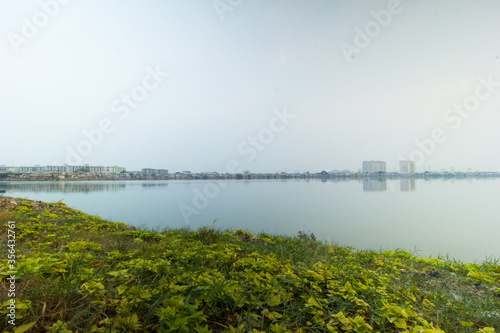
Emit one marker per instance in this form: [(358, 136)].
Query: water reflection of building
[(64, 187), (150, 185), (374, 185), (407, 185), (75, 187)]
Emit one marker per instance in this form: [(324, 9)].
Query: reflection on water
[(75, 187), (146, 185), (434, 216), (407, 185), (374, 185), (380, 185)]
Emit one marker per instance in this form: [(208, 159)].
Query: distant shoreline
[(249, 176)]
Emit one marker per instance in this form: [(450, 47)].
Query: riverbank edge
[(250, 176), (325, 287)]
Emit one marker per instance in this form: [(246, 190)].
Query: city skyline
[(262, 86), (405, 166)]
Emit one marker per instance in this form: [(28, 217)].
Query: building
[(148, 171), (373, 166), (407, 167), (104, 169), (64, 169)]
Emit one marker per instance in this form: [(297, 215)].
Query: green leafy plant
[(78, 272)]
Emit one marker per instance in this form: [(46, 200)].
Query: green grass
[(78, 273)]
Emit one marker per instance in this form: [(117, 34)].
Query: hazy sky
[(270, 85)]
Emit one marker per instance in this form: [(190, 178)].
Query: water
[(458, 218)]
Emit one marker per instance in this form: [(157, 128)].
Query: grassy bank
[(78, 273)]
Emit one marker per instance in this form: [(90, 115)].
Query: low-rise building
[(64, 169), (148, 171)]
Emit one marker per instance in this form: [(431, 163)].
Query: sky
[(263, 85)]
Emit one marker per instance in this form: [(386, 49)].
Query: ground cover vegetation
[(79, 273)]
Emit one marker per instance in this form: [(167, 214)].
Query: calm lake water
[(458, 218)]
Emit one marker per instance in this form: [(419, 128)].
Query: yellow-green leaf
[(24, 328), (121, 289), (400, 323)]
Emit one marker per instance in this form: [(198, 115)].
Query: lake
[(439, 217)]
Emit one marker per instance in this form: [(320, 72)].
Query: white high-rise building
[(373, 166), (407, 167)]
